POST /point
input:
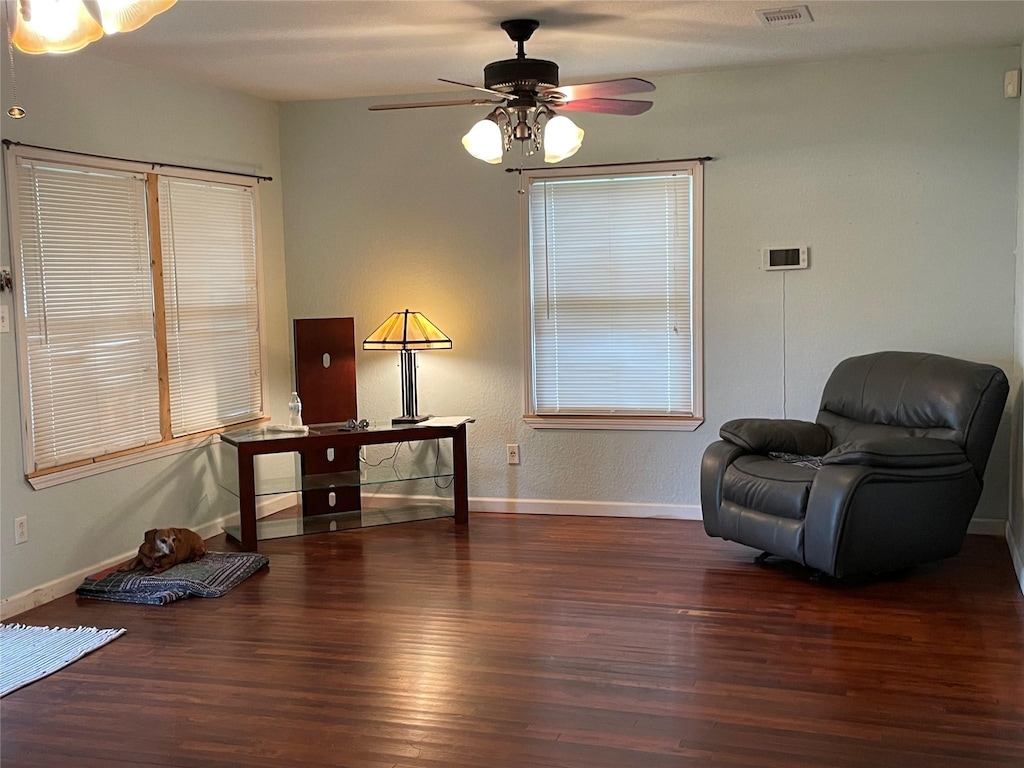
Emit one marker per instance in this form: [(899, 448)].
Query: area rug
[(212, 576), (28, 654)]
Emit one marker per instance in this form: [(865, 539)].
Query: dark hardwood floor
[(530, 641)]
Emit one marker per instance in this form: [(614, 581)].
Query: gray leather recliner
[(888, 476)]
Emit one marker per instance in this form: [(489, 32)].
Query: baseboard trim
[(987, 526), (266, 507), (66, 585), (1016, 545), (551, 506), (585, 508)]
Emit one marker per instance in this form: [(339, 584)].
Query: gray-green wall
[(1015, 531), (85, 104), (900, 173)]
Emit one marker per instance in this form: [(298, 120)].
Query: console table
[(321, 438)]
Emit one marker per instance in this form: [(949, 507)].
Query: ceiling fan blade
[(598, 90), (478, 88), (456, 103), (605, 106)]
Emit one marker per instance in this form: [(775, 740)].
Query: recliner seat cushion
[(772, 487)]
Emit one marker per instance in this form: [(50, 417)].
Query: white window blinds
[(212, 303), (612, 295), (138, 324), (89, 346)]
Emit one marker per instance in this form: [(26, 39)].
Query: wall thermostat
[(784, 258)]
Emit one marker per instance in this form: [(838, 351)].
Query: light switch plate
[(1011, 84), (5, 319)]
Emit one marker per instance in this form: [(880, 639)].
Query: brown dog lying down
[(165, 547)]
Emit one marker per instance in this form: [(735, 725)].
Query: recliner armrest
[(777, 435), (897, 453)]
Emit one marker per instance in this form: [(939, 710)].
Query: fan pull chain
[(15, 111)]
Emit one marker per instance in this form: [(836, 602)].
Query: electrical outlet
[(513, 453), (20, 530)]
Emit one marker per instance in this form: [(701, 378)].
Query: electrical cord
[(386, 458), (784, 404), (437, 466), (394, 456)]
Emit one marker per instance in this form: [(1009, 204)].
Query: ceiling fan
[(526, 94)]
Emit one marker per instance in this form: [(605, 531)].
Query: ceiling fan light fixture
[(485, 140), (527, 93), (53, 26), (129, 15), (65, 26), (562, 139)]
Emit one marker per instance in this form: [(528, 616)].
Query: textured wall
[(1017, 380), (899, 173), (81, 103)]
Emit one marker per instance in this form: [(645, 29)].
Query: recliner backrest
[(915, 393)]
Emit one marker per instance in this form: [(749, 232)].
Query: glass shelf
[(291, 522), (279, 480)]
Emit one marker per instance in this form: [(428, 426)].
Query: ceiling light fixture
[(535, 126), (527, 93), (64, 26)]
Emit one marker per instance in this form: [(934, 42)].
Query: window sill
[(637, 423), (52, 477)]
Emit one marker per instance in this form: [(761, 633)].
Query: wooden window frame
[(687, 423), (168, 445)]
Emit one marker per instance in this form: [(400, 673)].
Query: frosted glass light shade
[(407, 330), (63, 26), (562, 139), (128, 15), (54, 26), (484, 142)]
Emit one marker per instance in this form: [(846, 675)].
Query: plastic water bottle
[(294, 410)]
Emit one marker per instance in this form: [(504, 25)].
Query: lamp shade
[(484, 141), (129, 15), (562, 139), (63, 26), (54, 26), (407, 331)]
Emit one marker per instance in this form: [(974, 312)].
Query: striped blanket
[(212, 576), (32, 653)]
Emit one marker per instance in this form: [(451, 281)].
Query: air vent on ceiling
[(785, 17)]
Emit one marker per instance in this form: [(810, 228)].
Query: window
[(138, 318), (614, 297)]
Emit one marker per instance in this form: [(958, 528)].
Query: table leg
[(247, 500), (460, 466)]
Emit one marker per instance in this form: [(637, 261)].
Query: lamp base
[(409, 419)]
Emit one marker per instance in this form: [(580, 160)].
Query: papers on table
[(299, 430), (446, 421)]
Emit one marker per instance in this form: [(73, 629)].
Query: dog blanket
[(211, 576)]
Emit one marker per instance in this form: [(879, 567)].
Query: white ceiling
[(288, 50)]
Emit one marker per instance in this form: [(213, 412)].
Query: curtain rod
[(8, 143), (704, 159)]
